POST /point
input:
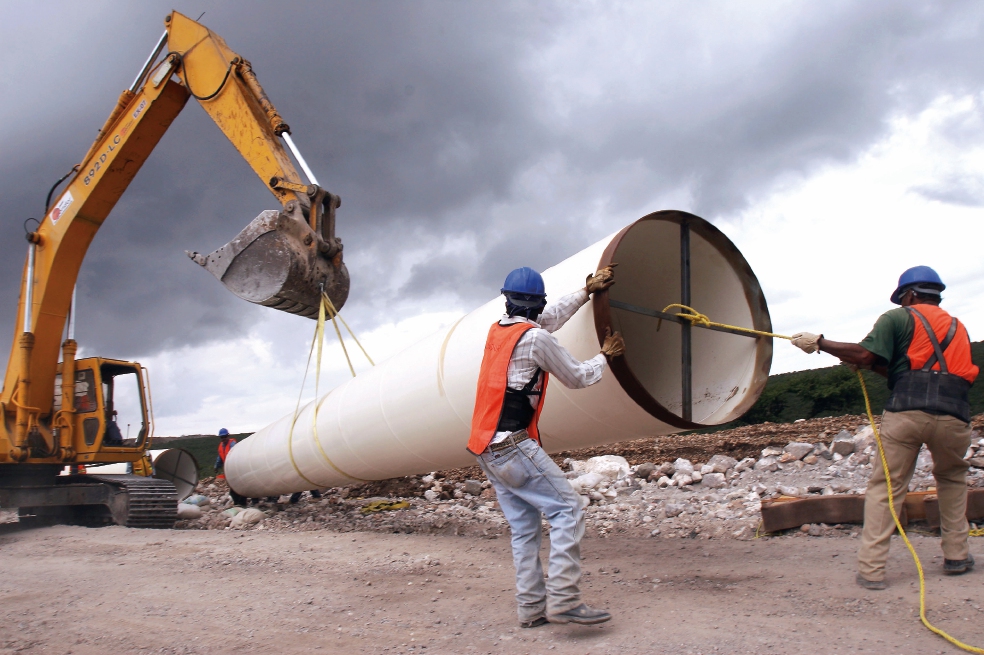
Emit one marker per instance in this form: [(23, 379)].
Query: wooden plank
[(787, 512), (975, 507)]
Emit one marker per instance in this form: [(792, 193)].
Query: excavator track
[(141, 502)]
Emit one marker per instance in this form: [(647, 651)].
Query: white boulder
[(587, 481), (721, 464), (188, 511), (247, 517), (610, 467), (713, 480), (843, 443), (798, 449), (770, 464), (683, 466)]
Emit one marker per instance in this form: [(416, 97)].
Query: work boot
[(582, 614), (534, 623), (958, 566), (874, 585)]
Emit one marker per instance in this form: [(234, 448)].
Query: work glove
[(601, 280), (807, 341), (614, 345), (218, 463)]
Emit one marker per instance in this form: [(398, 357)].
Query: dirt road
[(118, 590)]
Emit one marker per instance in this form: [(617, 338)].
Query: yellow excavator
[(72, 413)]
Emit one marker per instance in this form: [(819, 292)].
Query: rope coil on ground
[(696, 318)]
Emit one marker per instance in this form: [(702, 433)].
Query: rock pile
[(717, 496)]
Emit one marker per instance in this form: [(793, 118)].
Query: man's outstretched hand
[(601, 280), (807, 341), (614, 345)]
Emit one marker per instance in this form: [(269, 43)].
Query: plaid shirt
[(538, 348)]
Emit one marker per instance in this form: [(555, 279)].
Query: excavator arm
[(284, 258)]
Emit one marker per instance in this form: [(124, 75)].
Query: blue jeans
[(528, 484)]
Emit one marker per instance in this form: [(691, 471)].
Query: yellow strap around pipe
[(696, 318), (325, 304), (319, 335)]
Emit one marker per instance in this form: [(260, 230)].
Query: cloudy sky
[(835, 143)]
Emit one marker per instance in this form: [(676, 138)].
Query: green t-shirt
[(889, 341)]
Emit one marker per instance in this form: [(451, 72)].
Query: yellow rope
[(696, 318), (351, 333), (334, 323)]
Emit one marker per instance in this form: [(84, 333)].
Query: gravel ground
[(71, 590)]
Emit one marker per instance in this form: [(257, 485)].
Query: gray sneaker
[(582, 614), (874, 585), (958, 566)]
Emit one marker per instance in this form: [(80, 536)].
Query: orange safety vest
[(491, 391), (225, 448), (957, 352)]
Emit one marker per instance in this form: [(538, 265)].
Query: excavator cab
[(110, 409), (285, 259)]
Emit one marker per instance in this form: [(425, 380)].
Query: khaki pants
[(902, 434)]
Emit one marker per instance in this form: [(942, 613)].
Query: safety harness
[(517, 410)]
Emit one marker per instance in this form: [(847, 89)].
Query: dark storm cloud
[(509, 125)]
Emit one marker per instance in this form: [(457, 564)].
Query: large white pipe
[(411, 413)]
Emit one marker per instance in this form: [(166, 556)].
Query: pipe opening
[(724, 372)]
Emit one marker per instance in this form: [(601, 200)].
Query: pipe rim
[(761, 320)]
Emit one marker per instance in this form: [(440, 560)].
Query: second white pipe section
[(412, 413)]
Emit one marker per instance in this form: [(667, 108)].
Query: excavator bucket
[(279, 261)]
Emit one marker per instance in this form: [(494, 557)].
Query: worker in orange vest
[(520, 354), (925, 354), (225, 445)]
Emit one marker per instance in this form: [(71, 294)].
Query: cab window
[(125, 424)]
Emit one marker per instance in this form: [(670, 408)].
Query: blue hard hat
[(921, 278), (223, 432), (524, 288), (524, 281)]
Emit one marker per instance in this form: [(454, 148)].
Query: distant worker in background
[(225, 445), (520, 354), (925, 354)]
